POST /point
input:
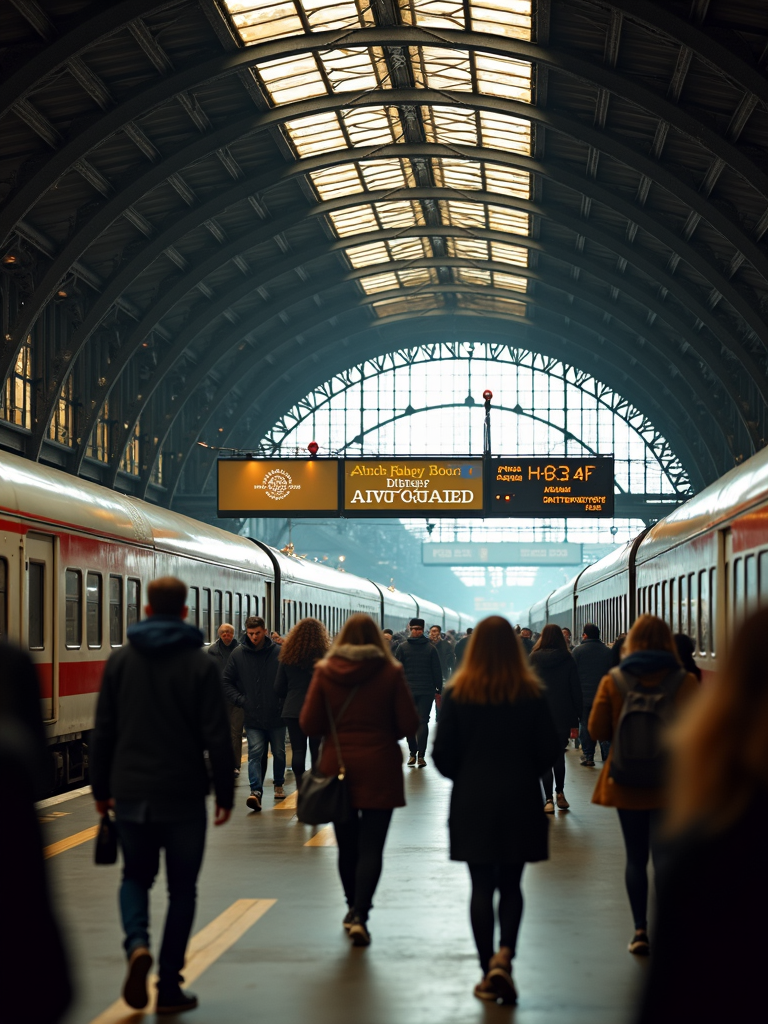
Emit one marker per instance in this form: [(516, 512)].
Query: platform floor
[(289, 960)]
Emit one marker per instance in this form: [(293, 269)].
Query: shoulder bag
[(325, 798), (106, 841)]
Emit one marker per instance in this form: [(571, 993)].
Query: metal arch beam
[(112, 121), (273, 405), (150, 392)]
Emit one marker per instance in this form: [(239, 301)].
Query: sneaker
[(422, 763), (411, 760), (175, 1002), (639, 944), (562, 803), (358, 932), (135, 986), (500, 978), (254, 801), (484, 990), (279, 793), (587, 762), (348, 921), (549, 807)]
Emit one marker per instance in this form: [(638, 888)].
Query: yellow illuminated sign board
[(278, 487), (413, 487)]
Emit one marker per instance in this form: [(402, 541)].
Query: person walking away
[(494, 740), (686, 649), (444, 652), (304, 646), (362, 688), (713, 879), (556, 669), (220, 650), (424, 673), (593, 661), (160, 708), (526, 639), (650, 668), (461, 647), (249, 683)]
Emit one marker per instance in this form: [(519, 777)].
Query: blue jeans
[(587, 743), (184, 842), (257, 742)]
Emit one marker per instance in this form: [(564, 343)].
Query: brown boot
[(500, 977)]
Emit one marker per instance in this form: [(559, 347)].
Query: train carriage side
[(605, 595), (309, 589), (466, 622), (398, 608), (451, 620), (561, 605), (537, 615), (429, 611)]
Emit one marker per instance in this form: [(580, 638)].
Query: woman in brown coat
[(650, 656), (381, 712)]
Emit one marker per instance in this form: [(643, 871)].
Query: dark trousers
[(299, 743), (486, 879), (558, 770), (418, 744), (587, 743), (361, 853), (183, 842), (640, 830), (236, 716)]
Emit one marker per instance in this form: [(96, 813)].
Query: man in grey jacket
[(424, 674), (593, 661), (221, 651)]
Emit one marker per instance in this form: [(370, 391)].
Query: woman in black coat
[(494, 739), (555, 667), (306, 644)]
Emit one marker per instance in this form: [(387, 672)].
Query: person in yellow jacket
[(650, 659)]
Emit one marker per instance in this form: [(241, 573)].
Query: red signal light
[(487, 395), (313, 448)]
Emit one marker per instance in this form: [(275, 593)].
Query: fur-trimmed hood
[(358, 652), (352, 664)]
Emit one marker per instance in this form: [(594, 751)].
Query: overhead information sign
[(500, 553), (559, 487), (278, 487), (413, 487)]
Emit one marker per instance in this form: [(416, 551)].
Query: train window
[(192, 599), (3, 599), (36, 605), (237, 618), (683, 605), (246, 608), (73, 607), (750, 580), (263, 608), (228, 608), (703, 611), (674, 606), (205, 618), (738, 591), (217, 604), (712, 608), (115, 611), (133, 602), (692, 607), (93, 605), (763, 566)]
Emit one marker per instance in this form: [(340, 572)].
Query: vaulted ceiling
[(207, 207)]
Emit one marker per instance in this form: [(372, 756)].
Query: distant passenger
[(567, 635), (424, 673), (160, 708), (593, 661), (556, 668), (714, 880), (617, 649), (221, 650), (461, 646), (388, 637), (304, 646), (249, 682), (494, 740), (685, 649), (363, 688), (650, 668), (444, 652), (526, 639)]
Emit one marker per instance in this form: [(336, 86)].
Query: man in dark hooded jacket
[(593, 661), (160, 708), (249, 683), (421, 664)]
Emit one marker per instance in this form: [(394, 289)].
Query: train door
[(39, 618)]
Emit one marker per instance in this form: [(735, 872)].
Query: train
[(75, 561), (702, 569)]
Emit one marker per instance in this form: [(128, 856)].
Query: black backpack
[(638, 750)]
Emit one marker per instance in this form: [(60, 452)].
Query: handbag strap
[(342, 712)]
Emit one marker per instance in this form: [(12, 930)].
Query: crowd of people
[(685, 765)]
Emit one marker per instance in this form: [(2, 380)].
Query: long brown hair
[(650, 633), (721, 745), (494, 669), (306, 642), (551, 639), (358, 631)]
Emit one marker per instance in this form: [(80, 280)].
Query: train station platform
[(269, 944)]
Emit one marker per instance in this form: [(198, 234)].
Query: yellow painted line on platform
[(72, 841), (325, 837), (289, 804), (204, 949)]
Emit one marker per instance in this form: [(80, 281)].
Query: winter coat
[(291, 686), (160, 707), (495, 755), (603, 720), (527, 643), (446, 656), (557, 670), (421, 664), (249, 683), (380, 713), (461, 647), (223, 652), (593, 661)]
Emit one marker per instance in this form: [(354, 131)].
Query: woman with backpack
[(555, 666), (494, 739), (361, 687), (632, 709)]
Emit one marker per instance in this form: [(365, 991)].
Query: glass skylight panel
[(318, 133), (507, 180), (512, 134), (441, 68), (396, 249), (372, 126), (350, 70), (354, 221), (503, 76), (259, 20), (368, 255), (412, 277), (468, 248), (326, 15), (450, 125), (379, 283), (491, 304), (458, 174), (514, 254), (463, 215), (511, 18), (337, 181), (434, 13), (500, 218), (409, 248), (408, 304), (510, 281), (400, 214), (292, 78), (387, 174), (471, 275)]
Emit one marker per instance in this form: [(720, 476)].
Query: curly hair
[(306, 643)]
